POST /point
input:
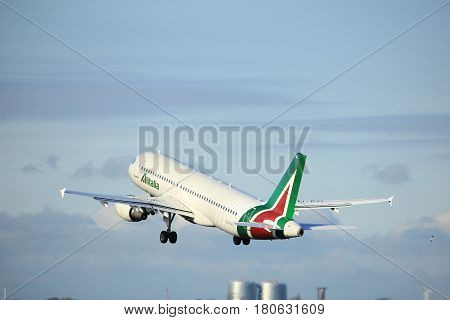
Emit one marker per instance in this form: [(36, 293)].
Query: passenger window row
[(198, 195)]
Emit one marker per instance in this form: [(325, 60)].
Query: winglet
[(63, 192), (390, 200)]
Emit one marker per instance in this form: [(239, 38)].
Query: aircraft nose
[(132, 170), (292, 229)]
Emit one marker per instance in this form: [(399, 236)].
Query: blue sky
[(380, 129)]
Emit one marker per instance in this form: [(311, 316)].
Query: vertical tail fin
[(280, 207), (284, 197)]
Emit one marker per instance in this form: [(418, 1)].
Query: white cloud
[(106, 217), (85, 171), (204, 260), (439, 222), (30, 168), (392, 174), (48, 161), (52, 160), (113, 167)]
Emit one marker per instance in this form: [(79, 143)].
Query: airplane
[(174, 188)]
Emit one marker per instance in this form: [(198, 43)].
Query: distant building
[(321, 293), (272, 290), (296, 297), (243, 290), (266, 290), (426, 293)]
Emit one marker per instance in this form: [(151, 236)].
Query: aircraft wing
[(163, 203), (335, 205)]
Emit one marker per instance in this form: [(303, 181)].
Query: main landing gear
[(237, 241), (169, 234)]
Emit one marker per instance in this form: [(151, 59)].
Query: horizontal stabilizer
[(334, 205), (325, 227), (258, 225)]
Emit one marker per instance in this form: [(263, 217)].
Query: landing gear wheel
[(163, 237), (236, 240), (172, 237), (245, 242), (168, 235)]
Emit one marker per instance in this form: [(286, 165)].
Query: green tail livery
[(279, 210)]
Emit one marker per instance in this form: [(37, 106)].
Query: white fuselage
[(213, 203)]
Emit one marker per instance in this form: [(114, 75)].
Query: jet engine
[(292, 229), (129, 213)]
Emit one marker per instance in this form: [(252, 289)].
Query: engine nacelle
[(292, 229), (129, 213)]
